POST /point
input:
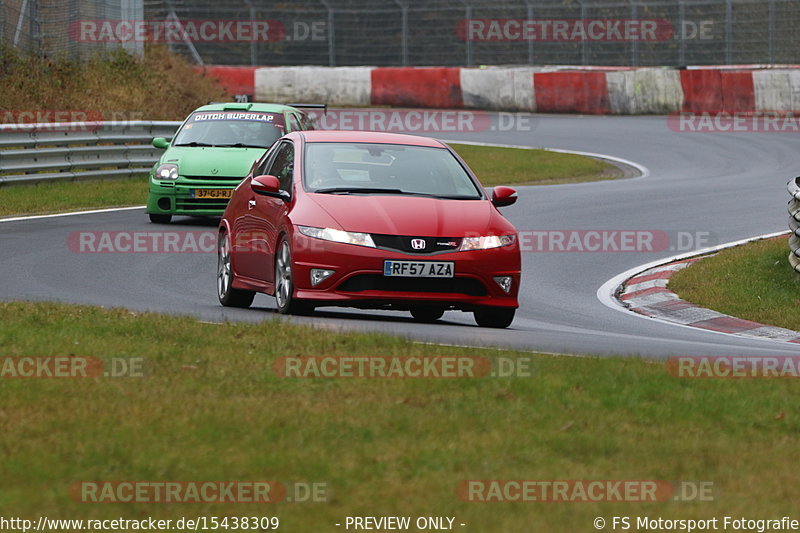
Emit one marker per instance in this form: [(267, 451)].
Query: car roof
[(249, 106), (377, 137)]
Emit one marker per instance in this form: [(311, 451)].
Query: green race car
[(212, 152)]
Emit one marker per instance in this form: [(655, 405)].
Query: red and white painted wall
[(742, 89)]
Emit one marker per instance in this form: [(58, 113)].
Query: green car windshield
[(363, 168), (233, 129)]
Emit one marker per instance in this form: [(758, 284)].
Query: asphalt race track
[(730, 185)]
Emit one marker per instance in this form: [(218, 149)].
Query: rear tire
[(494, 317), (160, 219), (228, 296), (427, 313), (284, 284)]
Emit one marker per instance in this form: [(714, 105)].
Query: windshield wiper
[(194, 143), (378, 190), (365, 190), (240, 145), (455, 197)]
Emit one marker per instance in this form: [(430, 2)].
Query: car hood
[(207, 161), (410, 215)]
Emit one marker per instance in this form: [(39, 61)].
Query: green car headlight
[(167, 171), (487, 242), (337, 235)]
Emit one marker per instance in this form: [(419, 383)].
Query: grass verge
[(494, 166), (754, 282), (211, 408), (72, 196), (515, 166)]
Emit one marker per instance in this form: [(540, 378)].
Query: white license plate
[(418, 269)]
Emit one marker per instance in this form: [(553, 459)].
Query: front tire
[(284, 284), (494, 317), (155, 218), (228, 296)]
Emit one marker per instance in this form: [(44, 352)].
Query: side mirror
[(267, 186), (503, 196), (160, 142)]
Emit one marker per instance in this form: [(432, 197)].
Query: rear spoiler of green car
[(324, 107), (233, 106)]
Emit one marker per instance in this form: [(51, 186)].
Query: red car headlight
[(337, 235), (487, 242)]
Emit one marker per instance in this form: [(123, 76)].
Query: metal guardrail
[(794, 223), (34, 153)]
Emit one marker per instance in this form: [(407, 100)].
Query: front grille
[(377, 282), (195, 204), (215, 178), (403, 243)]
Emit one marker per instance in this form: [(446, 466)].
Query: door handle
[(251, 204)]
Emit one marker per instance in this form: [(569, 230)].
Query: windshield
[(362, 168), (237, 129)]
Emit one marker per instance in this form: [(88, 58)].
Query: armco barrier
[(34, 153), (649, 90), (794, 223)]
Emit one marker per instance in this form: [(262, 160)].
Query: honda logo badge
[(418, 244)]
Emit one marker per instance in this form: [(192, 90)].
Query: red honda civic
[(369, 220)]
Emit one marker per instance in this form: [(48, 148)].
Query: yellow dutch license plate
[(211, 193)]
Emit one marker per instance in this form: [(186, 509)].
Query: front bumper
[(359, 280), (175, 197)]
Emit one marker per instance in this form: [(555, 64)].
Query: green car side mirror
[(160, 142)]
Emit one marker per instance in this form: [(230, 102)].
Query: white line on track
[(71, 213)]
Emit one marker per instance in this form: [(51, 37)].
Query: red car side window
[(283, 166)]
